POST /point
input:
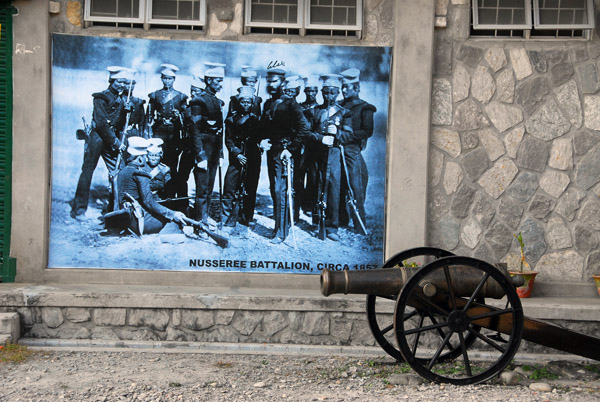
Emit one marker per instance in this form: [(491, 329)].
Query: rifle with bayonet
[(240, 191), (83, 134), (288, 163), (324, 185), (222, 241), (113, 175), (350, 200)]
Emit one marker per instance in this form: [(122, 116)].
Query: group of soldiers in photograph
[(314, 151)]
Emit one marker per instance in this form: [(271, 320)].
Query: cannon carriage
[(450, 308)]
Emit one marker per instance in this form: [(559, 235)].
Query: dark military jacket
[(162, 105), (234, 105), (340, 117), (309, 109), (240, 130), (159, 176), (108, 117), (362, 119), (204, 116), (283, 122), (135, 181)]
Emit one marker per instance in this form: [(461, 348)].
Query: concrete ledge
[(10, 327), (252, 299)]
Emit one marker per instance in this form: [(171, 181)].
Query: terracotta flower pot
[(597, 280), (528, 278)]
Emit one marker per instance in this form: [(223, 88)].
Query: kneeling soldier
[(134, 181)]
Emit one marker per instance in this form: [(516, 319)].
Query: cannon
[(450, 308)]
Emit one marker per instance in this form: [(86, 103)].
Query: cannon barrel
[(389, 281)]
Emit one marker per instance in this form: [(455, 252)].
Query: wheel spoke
[(439, 331), (409, 315), (425, 328), (387, 329), (416, 340), (439, 351), (387, 297), (488, 341), (463, 346), (493, 313), (476, 292), (431, 304), (450, 287)]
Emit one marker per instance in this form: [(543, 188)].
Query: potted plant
[(597, 280), (524, 271)]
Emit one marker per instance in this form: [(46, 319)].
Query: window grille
[(336, 18), (147, 14), (533, 18)]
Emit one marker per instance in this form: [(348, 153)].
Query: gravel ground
[(58, 374)]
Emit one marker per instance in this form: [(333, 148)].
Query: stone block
[(461, 83), (224, 317), (510, 212), (197, 319), (483, 211), (533, 238), (590, 213), (274, 322), (497, 179), (591, 106), (471, 233), (10, 326), (445, 232), (520, 63), (503, 116), (482, 84), (538, 60), (442, 54), (548, 122), (532, 93), (441, 108), (462, 201), (568, 99), (583, 141), (588, 78), (436, 163), (505, 86), (154, 318), (554, 182), (475, 163), (586, 240), (77, 314), (52, 317), (468, 116), (438, 204), (565, 266), (316, 323), (587, 171), (54, 7), (447, 140), (491, 143), (470, 55), (561, 154), (453, 176), (512, 140), (496, 58), (568, 204), (499, 237), (523, 187), (533, 154), (110, 317), (457, 21), (245, 322), (541, 206), (558, 234)]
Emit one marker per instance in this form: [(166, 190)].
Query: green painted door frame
[(8, 265)]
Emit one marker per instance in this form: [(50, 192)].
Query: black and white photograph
[(217, 156)]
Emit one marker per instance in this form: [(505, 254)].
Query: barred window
[(147, 14), (539, 18), (304, 17)]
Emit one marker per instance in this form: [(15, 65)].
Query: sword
[(288, 163)]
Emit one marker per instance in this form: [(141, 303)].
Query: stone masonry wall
[(515, 147), (225, 21)]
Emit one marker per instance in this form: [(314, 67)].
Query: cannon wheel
[(380, 331), (457, 317)]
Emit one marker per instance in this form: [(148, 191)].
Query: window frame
[(355, 27), (200, 22), (538, 25), (145, 17), (249, 23), (514, 27), (140, 20)]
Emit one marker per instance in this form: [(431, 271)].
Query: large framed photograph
[(217, 156)]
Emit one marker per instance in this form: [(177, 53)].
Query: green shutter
[(7, 264)]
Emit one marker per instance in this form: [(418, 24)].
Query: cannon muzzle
[(389, 282)]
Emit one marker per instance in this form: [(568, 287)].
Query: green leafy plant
[(14, 353), (523, 265), (540, 373)]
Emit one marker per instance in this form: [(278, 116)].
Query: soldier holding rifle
[(148, 216), (108, 122), (330, 127), (249, 78), (362, 129), (241, 179), (285, 126), (205, 124), (165, 116)]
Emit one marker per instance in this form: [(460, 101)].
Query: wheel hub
[(458, 321)]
